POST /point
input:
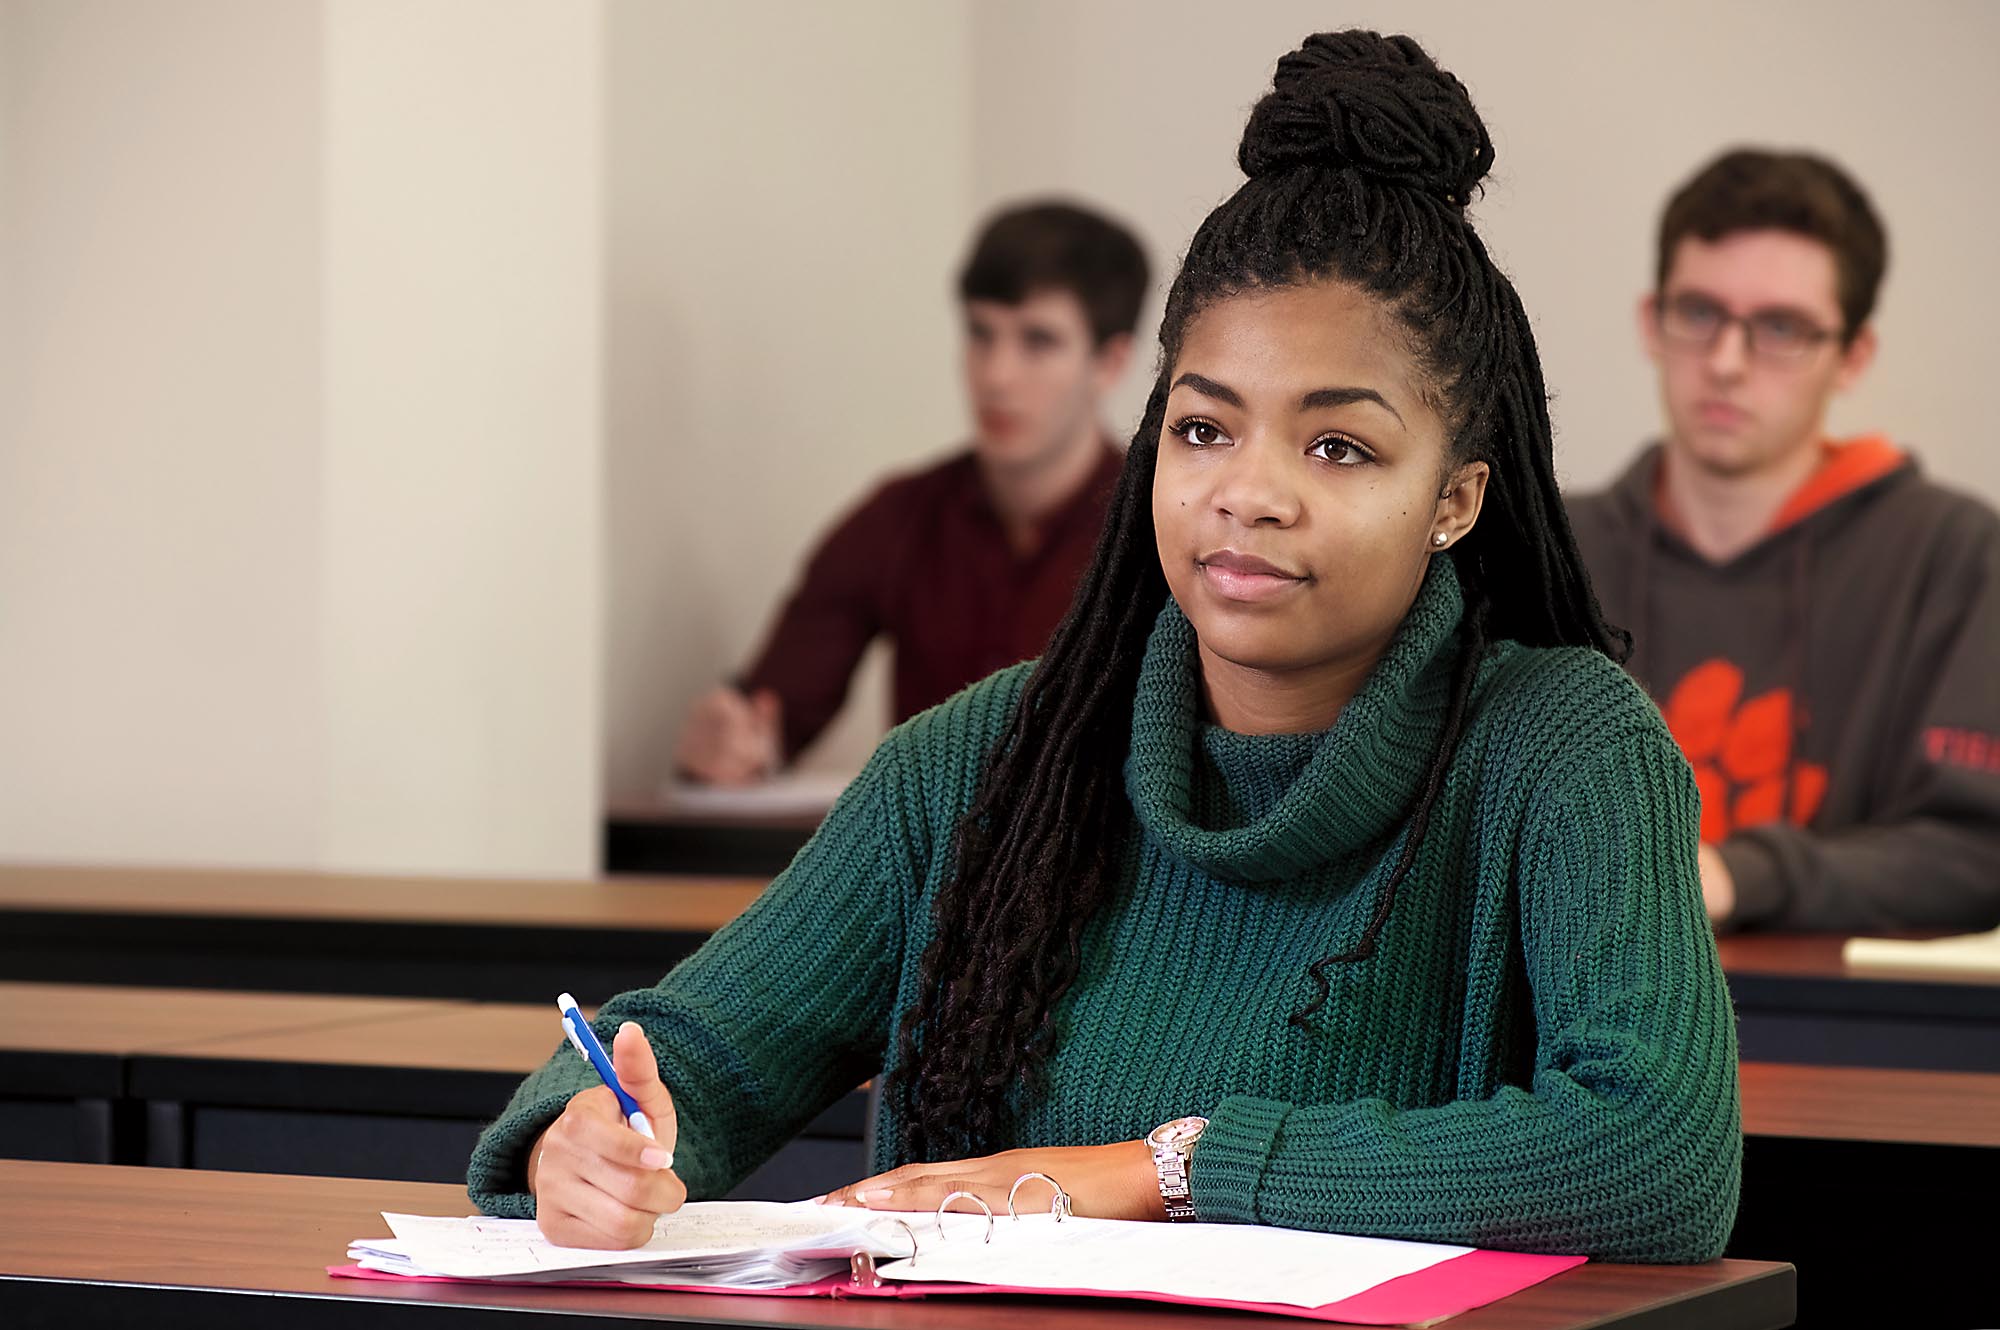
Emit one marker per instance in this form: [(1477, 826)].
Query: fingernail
[(654, 1157), (879, 1194)]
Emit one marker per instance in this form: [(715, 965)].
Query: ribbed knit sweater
[(1538, 1056)]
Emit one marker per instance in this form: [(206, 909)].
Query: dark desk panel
[(499, 940), (83, 1245), (654, 841), (1797, 1002)]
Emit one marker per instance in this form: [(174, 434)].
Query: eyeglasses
[(1775, 336)]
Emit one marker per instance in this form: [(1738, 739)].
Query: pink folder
[(1445, 1289)]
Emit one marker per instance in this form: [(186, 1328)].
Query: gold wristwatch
[(1172, 1144)]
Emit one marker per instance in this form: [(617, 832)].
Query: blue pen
[(585, 1039)]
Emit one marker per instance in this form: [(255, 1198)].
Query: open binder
[(807, 1250)]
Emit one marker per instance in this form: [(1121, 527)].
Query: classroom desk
[(401, 1097), (65, 1051), (97, 1244), (1864, 1176), (400, 1089), (1797, 1002), (493, 939)]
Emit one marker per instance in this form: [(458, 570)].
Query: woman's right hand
[(597, 1182)]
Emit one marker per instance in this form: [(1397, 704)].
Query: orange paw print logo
[(1740, 751)]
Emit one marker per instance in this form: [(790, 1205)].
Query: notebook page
[(1232, 1262)]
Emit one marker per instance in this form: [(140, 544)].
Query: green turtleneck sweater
[(1538, 1056)]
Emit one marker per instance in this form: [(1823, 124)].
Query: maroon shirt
[(925, 560)]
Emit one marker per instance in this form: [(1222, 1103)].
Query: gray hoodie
[(1836, 687)]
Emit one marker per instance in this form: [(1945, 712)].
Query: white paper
[(1974, 955), (789, 794), (1232, 1262), (761, 1244), (701, 1233)]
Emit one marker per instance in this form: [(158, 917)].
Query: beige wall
[(159, 451), (299, 476), (788, 192), (460, 609)]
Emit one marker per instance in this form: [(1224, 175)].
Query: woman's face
[(1302, 481)]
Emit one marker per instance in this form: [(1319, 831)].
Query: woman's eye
[(1200, 433), (1339, 451)]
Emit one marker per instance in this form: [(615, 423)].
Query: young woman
[(1328, 838)]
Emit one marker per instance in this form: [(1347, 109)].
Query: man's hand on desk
[(731, 739), (597, 1182), (1718, 886), (1103, 1181)]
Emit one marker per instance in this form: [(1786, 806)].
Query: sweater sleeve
[(1626, 1143), (770, 1021), (1930, 856), (809, 657)]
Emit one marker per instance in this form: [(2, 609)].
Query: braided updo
[(1377, 104)]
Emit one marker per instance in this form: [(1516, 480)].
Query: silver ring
[(904, 1225), (966, 1196), (1059, 1207), (861, 1265)]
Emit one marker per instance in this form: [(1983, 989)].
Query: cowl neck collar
[(1259, 808)]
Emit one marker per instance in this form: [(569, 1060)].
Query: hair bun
[(1378, 104)]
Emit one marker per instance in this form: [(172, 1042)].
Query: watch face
[(1178, 1132)]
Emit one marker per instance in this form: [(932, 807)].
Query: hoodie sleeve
[(1930, 858)]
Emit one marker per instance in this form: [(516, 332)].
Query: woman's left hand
[(1103, 1181)]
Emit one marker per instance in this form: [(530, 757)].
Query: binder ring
[(965, 1196), (861, 1266), (902, 1224), (1059, 1207)]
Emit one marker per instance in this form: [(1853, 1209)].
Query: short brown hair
[(1752, 189), (1059, 246)]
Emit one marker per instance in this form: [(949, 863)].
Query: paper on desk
[(791, 794), (1976, 954), (1199, 1262), (700, 1233)]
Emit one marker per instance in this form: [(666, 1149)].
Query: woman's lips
[(1245, 577)]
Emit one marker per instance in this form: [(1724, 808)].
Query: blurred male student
[(1819, 623), (968, 564)]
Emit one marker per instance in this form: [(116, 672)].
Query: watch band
[(1174, 1183), (1173, 1145)]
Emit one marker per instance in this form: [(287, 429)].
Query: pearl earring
[(1439, 539)]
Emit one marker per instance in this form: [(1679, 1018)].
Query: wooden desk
[(1842, 1165), (99, 1245), (1797, 1002), (64, 1050), (501, 939), (401, 1097), (1851, 1172)]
